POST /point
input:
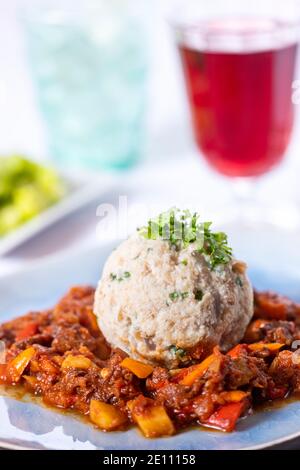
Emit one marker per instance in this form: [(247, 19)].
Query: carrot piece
[(138, 368), (17, 366), (153, 419), (28, 331), (272, 347), (226, 416), (195, 372), (105, 416), (237, 351)]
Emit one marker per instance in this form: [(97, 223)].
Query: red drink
[(241, 104)]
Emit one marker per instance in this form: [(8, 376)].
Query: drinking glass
[(239, 63), (89, 64)]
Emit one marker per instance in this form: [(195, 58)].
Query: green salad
[(26, 189)]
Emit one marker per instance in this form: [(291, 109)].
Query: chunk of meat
[(282, 368), (72, 338), (246, 370), (271, 331)]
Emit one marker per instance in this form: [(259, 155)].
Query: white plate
[(30, 426), (84, 188)]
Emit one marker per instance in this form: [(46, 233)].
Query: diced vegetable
[(17, 366), (46, 365), (89, 320), (106, 417), (272, 347), (138, 368), (195, 372), (2, 373), (233, 396), (226, 416), (35, 365), (104, 372), (28, 331), (30, 380), (237, 351), (76, 362), (58, 360), (152, 419)]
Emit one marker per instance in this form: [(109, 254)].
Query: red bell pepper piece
[(226, 416), (2, 373), (28, 331)]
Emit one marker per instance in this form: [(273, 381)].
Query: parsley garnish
[(178, 352), (184, 262), (174, 296), (125, 275), (216, 246), (181, 228), (178, 295)]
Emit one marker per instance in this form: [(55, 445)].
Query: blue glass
[(90, 72)]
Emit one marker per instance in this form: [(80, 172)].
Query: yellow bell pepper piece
[(154, 421), (17, 366), (106, 417), (138, 368), (76, 362), (273, 347)]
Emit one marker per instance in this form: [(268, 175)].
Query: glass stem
[(245, 199)]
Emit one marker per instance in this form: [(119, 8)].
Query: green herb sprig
[(181, 228), (121, 278), (179, 353), (176, 295)]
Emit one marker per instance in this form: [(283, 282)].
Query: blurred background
[(21, 120), (102, 92)]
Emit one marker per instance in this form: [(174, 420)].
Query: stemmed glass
[(239, 63)]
